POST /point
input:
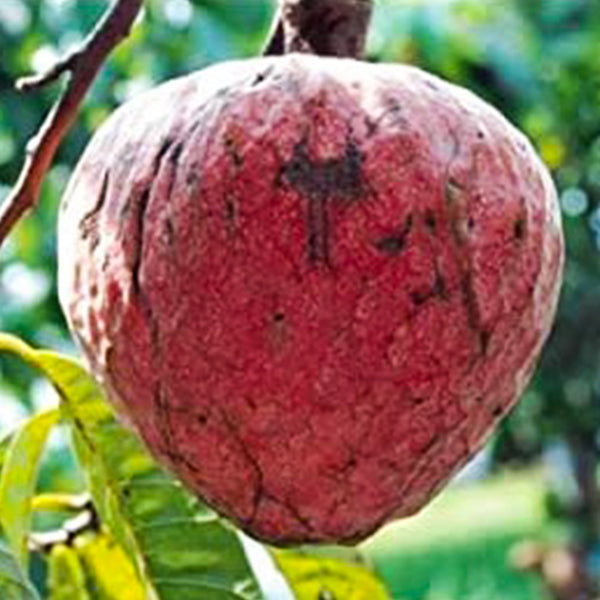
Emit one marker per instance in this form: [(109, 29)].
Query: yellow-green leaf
[(109, 573), (19, 478), (66, 575), (318, 578), (13, 584)]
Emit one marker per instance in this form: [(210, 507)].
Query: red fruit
[(312, 285)]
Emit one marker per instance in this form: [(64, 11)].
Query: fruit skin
[(312, 285)]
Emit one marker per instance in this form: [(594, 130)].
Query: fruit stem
[(323, 27)]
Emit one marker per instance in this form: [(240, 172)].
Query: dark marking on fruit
[(262, 76), (125, 208), (519, 229), (430, 444), (430, 221), (336, 178), (192, 179), (231, 212), (460, 226), (439, 285), (142, 203), (233, 153), (343, 471), (319, 182), (162, 410), (88, 226), (250, 402), (498, 411), (456, 211), (278, 332), (470, 301), (164, 148), (484, 340), (142, 206), (392, 113), (393, 244), (437, 290), (173, 164), (176, 154), (235, 435), (178, 458), (372, 126), (292, 511), (318, 233), (170, 231)]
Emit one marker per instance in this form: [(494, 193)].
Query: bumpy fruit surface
[(312, 285)]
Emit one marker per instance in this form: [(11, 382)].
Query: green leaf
[(316, 578), (180, 548), (19, 477), (13, 584)]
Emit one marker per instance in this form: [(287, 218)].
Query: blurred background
[(523, 520)]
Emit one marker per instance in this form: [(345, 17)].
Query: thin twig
[(34, 82), (83, 66)]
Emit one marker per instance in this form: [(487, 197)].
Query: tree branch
[(83, 66), (323, 27)]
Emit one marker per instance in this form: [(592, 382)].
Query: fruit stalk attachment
[(323, 27)]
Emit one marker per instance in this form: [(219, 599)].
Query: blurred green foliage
[(536, 60), (459, 547)]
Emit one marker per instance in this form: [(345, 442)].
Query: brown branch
[(83, 66), (323, 27)]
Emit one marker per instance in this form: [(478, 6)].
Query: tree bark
[(324, 27)]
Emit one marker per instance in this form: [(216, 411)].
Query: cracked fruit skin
[(312, 285)]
